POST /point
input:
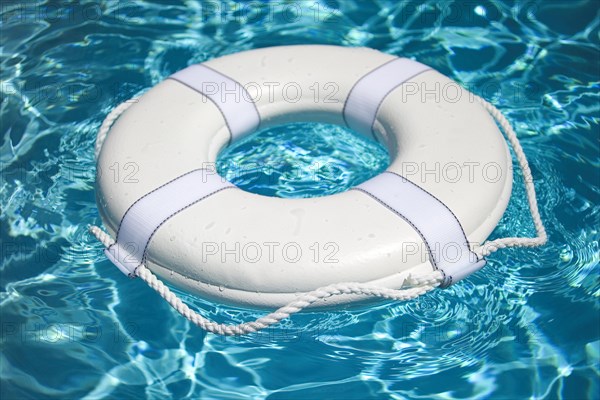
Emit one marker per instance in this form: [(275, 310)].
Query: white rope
[(109, 121), (493, 245), (424, 285), (413, 286)]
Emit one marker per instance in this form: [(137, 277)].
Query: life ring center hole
[(300, 160)]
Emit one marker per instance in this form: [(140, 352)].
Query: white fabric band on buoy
[(230, 97), (442, 233), (148, 213), (362, 104)]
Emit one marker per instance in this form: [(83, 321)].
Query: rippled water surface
[(73, 326)]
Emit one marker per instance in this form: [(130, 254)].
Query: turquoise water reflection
[(73, 326)]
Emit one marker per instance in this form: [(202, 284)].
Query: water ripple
[(73, 327)]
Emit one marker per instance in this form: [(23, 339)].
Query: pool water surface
[(526, 326)]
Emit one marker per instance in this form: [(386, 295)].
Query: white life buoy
[(447, 186)]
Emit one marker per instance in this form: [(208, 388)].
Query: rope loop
[(413, 286)]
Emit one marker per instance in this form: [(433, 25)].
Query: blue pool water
[(302, 160), (527, 326)]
